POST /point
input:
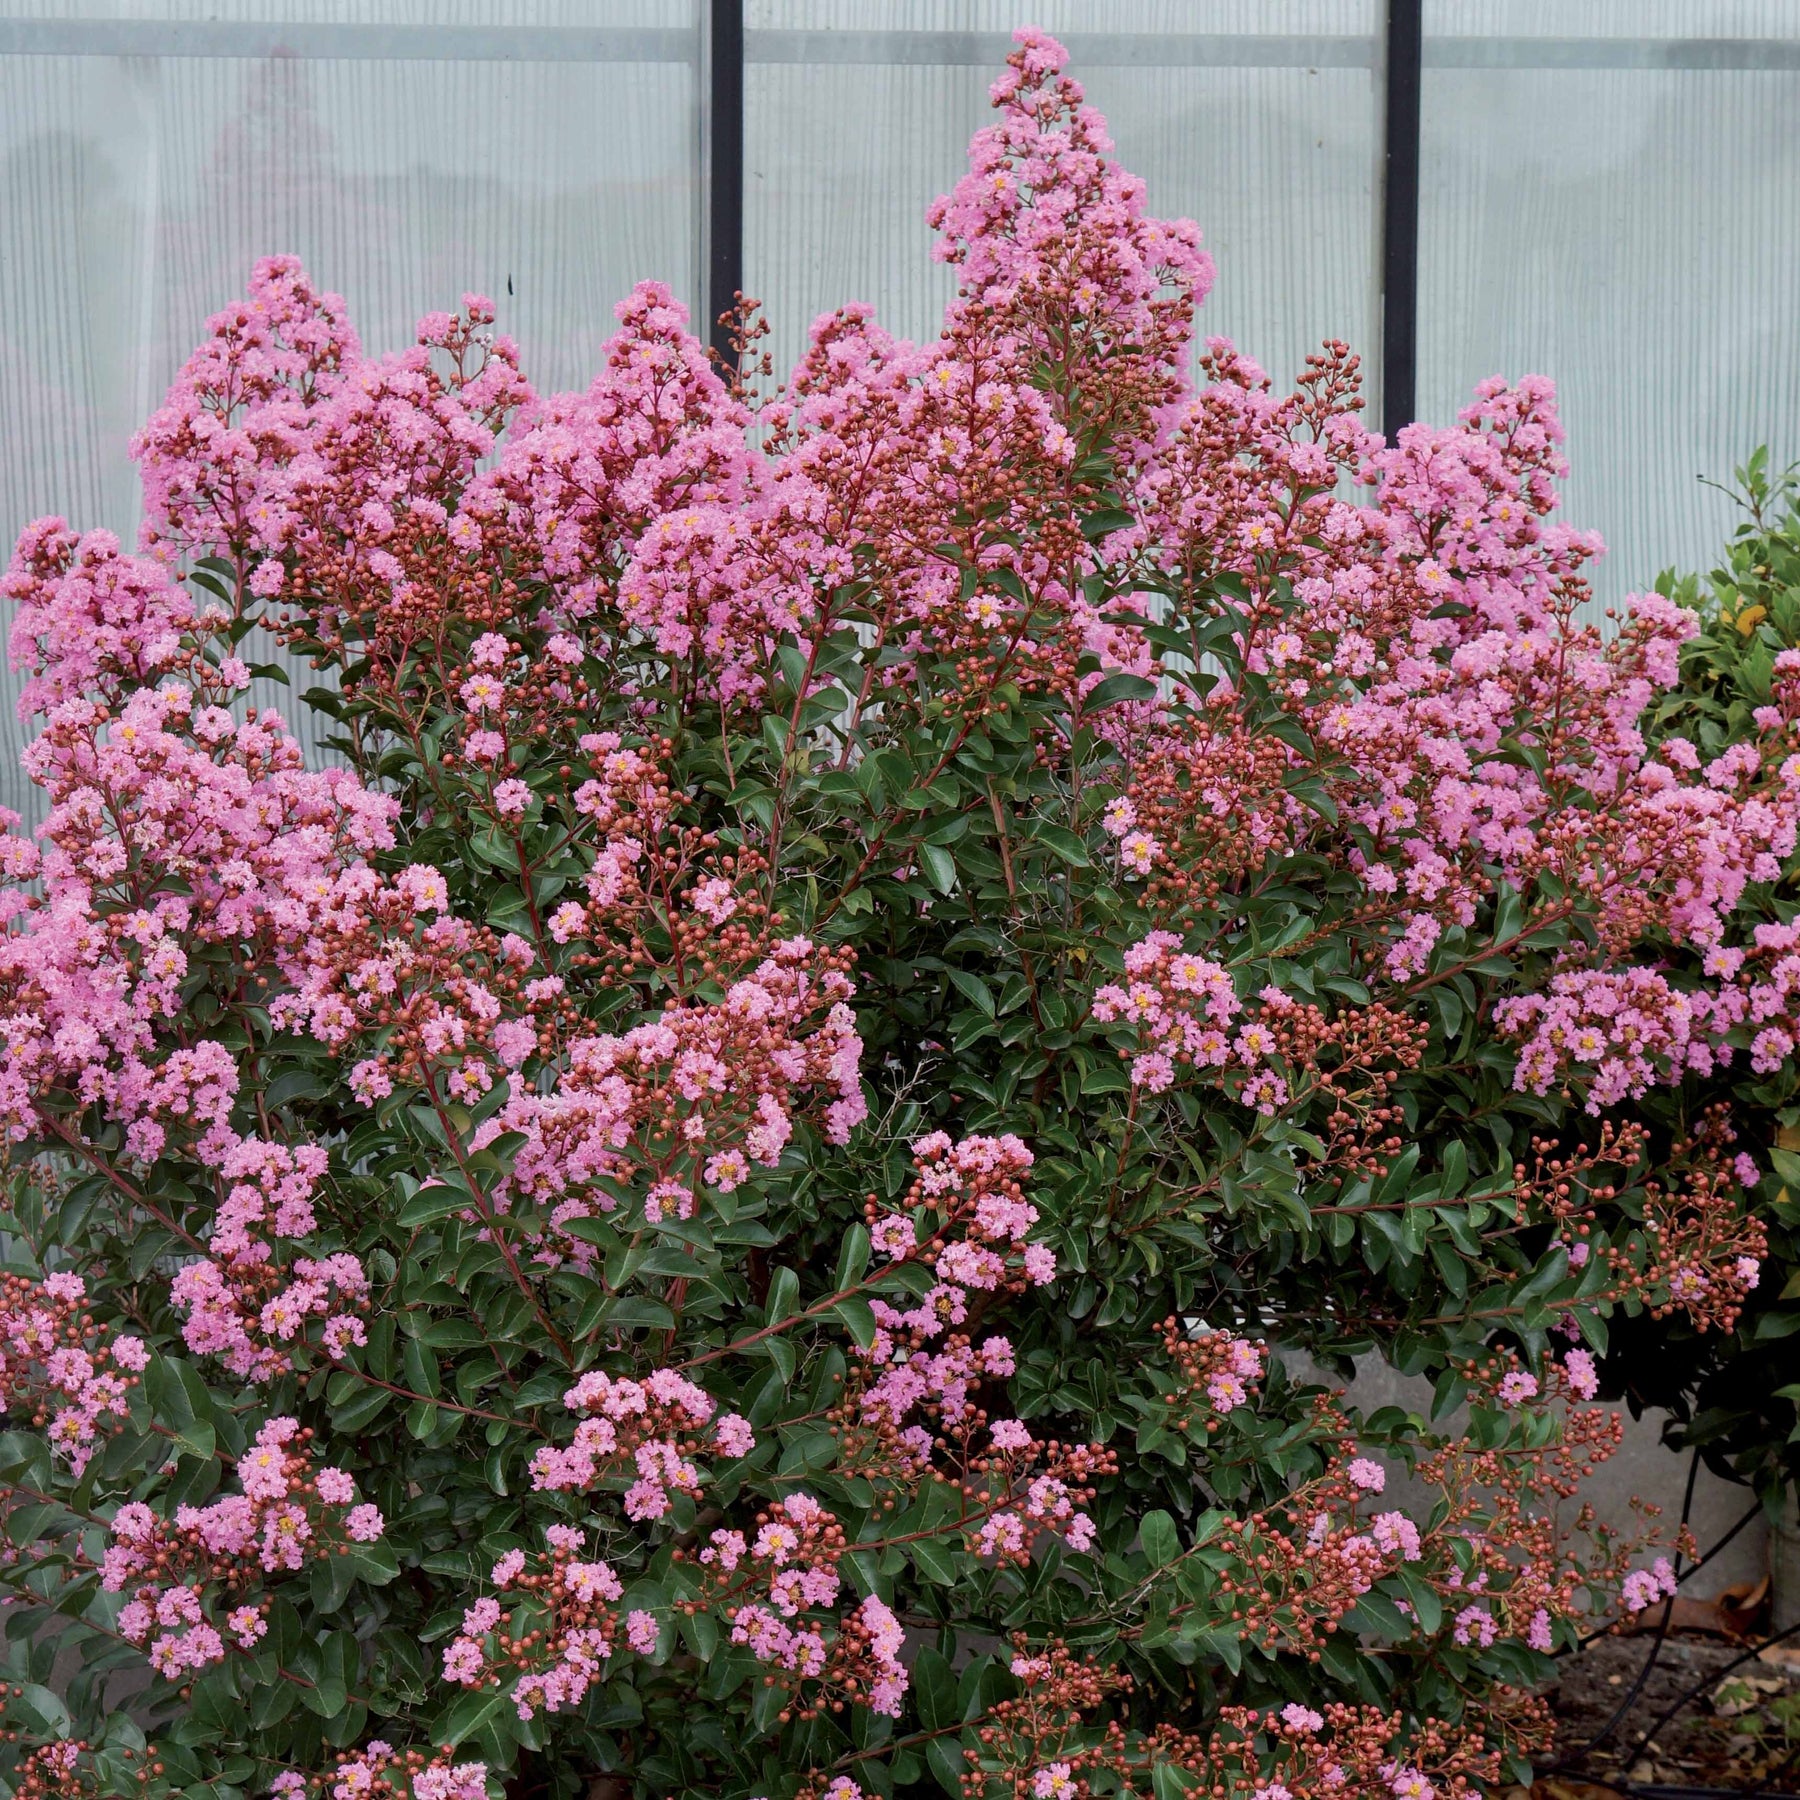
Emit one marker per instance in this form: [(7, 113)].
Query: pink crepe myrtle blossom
[(178, 1570), (1645, 1586), (57, 1365)]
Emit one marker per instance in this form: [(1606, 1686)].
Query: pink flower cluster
[(1616, 1031), (382, 956), (1043, 208), (917, 1373), (55, 1360), (379, 1772), (190, 1581), (1417, 641), (236, 409), (1041, 1504), (583, 476), (1209, 1374), (975, 1188), (243, 1303), (572, 1645), (1644, 1587), (91, 620), (1184, 1006), (772, 1589), (651, 1428), (174, 828), (281, 446), (698, 1094)]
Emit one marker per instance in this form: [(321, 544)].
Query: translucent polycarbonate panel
[(1689, 21), (365, 15), (1259, 120), (406, 152), (1611, 196)]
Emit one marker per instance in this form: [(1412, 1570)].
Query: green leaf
[(944, 1757), (1787, 1166), (1311, 792), (377, 1563), (1061, 842), (784, 1296), (853, 1258), (51, 1714), (939, 866), (1167, 1782), (1426, 1602), (468, 1714), (858, 1318), (1374, 1611), (331, 1581), (934, 1690), (179, 1399), (356, 1414), (974, 988), (1111, 689), (1159, 1538), (429, 1204), (325, 1697), (934, 1561), (296, 1084), (1104, 521)]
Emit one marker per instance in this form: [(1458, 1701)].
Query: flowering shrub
[(709, 1203), (1735, 1396)]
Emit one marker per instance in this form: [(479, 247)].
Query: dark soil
[(1733, 1728)]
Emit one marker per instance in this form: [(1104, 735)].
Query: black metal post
[(724, 274), (1400, 217)]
